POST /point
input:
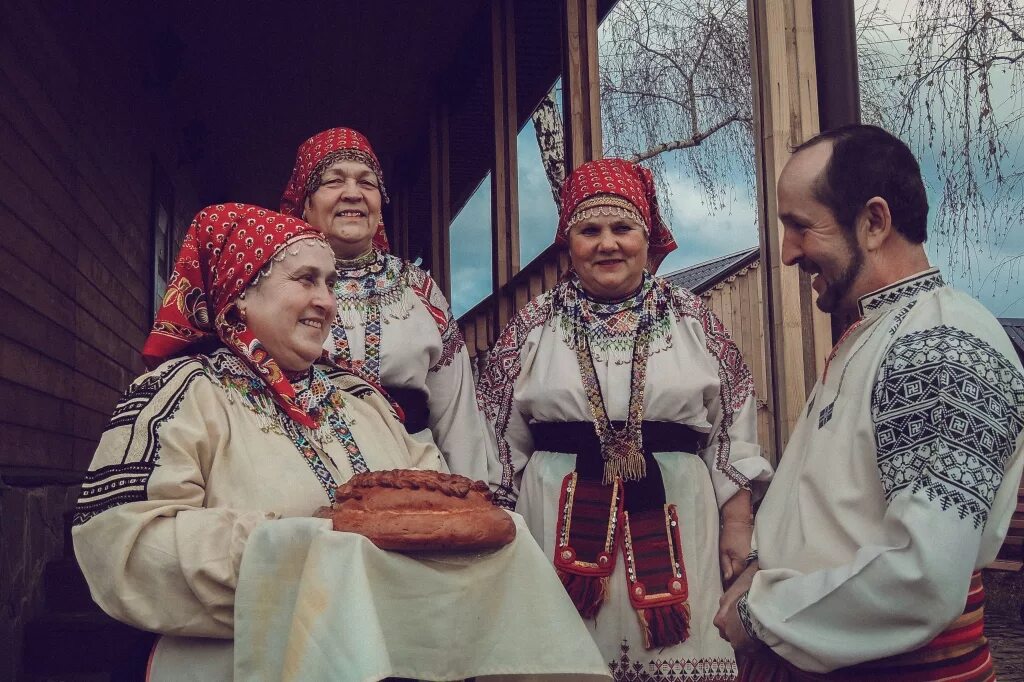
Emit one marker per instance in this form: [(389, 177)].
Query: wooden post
[(440, 201), (785, 114), (582, 94), (504, 179), (835, 54)]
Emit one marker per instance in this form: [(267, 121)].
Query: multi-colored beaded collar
[(609, 328)]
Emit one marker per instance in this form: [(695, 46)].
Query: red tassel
[(586, 591), (664, 625)]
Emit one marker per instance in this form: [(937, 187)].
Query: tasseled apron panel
[(595, 520)]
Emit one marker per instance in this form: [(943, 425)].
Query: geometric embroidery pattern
[(110, 486), (624, 669), (736, 383), (947, 410), (498, 376), (909, 289), (426, 289), (825, 416), (743, 611), (501, 369)]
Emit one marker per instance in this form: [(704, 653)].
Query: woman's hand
[(734, 538), (323, 513)]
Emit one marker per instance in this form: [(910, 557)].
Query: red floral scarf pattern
[(224, 249), (312, 159)]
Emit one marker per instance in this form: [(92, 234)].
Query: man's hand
[(728, 621)]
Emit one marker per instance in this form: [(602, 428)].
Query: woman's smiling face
[(291, 309), (609, 254), (346, 207)]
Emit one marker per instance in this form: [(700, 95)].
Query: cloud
[(701, 234)]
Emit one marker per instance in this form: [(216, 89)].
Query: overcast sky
[(994, 277)]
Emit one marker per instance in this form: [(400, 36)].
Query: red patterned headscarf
[(224, 250), (597, 186), (315, 156)]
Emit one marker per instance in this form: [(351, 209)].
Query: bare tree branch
[(689, 142)]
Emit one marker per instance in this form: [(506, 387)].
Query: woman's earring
[(241, 313)]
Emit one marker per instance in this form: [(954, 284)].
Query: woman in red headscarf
[(394, 324), (625, 424), (233, 428)]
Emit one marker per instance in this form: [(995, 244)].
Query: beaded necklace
[(610, 327), (315, 394), (365, 286), (621, 448)]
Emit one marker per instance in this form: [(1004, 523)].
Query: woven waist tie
[(594, 520), (959, 654)]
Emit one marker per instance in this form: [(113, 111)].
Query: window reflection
[(538, 214), (470, 244)]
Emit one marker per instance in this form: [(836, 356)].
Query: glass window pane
[(538, 215), (470, 244)]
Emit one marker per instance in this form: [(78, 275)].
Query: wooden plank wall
[(75, 273), (739, 303)]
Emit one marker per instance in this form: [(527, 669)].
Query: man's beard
[(837, 289)]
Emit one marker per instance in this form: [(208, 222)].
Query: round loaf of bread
[(413, 511)]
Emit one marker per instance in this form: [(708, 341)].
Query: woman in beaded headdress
[(233, 428), (625, 423), (394, 324)]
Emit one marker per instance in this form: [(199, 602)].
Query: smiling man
[(899, 480)]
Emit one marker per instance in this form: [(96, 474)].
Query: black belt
[(414, 404), (580, 438)]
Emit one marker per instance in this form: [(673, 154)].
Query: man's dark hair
[(869, 162)]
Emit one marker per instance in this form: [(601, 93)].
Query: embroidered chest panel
[(373, 295)]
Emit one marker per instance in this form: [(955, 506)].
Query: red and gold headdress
[(316, 155), (615, 187)]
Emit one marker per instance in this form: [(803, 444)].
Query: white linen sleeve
[(152, 555), (455, 420), (512, 443), (417, 454), (947, 411), (732, 452)]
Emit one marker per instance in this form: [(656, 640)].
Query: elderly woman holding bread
[(197, 517), (234, 427)]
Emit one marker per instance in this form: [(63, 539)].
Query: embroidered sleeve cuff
[(504, 497), (743, 611)]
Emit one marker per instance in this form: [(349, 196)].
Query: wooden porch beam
[(504, 179), (580, 78), (785, 94), (440, 201)]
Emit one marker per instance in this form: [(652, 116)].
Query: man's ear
[(875, 223)]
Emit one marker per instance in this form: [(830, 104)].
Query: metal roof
[(702, 276), (1014, 328)]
